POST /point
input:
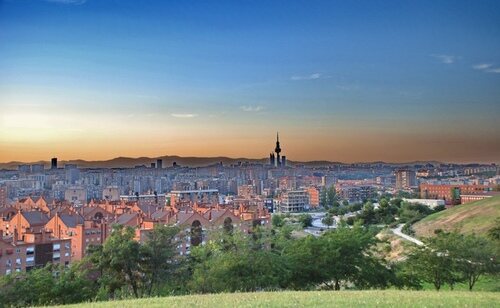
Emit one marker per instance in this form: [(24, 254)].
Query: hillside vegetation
[(316, 299), (476, 217)]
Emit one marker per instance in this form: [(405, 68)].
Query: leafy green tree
[(159, 256), (28, 289), (75, 284), (50, 285), (406, 276), (347, 253), (436, 263), (119, 261), (245, 266), (323, 198), (328, 220), (337, 257), (306, 220), (331, 196), (476, 257), (494, 232), (277, 220)]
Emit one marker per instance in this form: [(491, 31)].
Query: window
[(18, 262), (8, 263), (30, 250), (66, 254), (56, 256), (57, 247), (8, 271), (30, 259), (67, 245), (18, 250)]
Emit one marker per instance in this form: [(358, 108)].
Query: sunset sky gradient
[(341, 80)]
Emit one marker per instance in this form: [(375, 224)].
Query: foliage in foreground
[(266, 259)]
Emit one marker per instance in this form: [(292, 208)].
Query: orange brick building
[(450, 193), (36, 250)]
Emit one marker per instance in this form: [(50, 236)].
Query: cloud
[(71, 2), (493, 70), (184, 115), (446, 59), (482, 66), (487, 68), (347, 87), (252, 108), (307, 77)]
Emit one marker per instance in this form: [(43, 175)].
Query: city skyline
[(350, 82)]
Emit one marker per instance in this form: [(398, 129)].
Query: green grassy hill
[(476, 217), (317, 299)]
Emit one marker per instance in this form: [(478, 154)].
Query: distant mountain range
[(129, 162)]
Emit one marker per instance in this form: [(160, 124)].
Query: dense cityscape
[(53, 213)]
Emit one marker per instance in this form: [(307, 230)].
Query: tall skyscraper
[(405, 179), (53, 163), (159, 164), (271, 159)]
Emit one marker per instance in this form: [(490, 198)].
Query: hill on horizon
[(191, 161), (475, 217)]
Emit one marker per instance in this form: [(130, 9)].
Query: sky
[(343, 81)]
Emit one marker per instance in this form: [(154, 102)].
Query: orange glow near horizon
[(102, 139)]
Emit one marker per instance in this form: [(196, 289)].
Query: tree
[(306, 220), (74, 284), (159, 256), (323, 198), (28, 289), (330, 196), (328, 220), (336, 257), (247, 264), (50, 285), (119, 261), (494, 232), (277, 221), (475, 258), (437, 262)]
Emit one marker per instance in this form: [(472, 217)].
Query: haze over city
[(342, 81)]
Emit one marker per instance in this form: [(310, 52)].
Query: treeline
[(392, 210), (266, 259)]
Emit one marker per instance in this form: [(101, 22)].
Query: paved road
[(398, 232)]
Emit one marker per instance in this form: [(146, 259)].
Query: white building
[(294, 201), (432, 203)]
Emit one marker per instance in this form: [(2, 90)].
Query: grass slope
[(476, 217), (317, 299)]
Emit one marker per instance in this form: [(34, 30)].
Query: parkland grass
[(386, 298)]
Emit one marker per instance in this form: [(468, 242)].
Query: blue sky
[(341, 80)]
